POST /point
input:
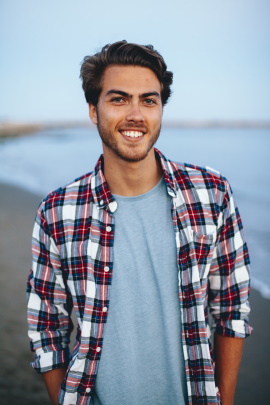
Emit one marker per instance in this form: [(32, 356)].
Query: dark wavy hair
[(123, 53)]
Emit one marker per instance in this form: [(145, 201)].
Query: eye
[(149, 101), (118, 99)]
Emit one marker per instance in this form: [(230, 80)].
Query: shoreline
[(18, 208), (15, 129)]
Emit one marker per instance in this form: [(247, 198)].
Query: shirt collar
[(100, 190), (168, 173), (102, 195)]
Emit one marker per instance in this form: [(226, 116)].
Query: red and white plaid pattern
[(72, 267)]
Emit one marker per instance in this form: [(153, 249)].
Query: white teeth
[(132, 134)]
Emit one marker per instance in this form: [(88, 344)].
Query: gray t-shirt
[(142, 356)]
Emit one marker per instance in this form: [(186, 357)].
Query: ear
[(93, 113)]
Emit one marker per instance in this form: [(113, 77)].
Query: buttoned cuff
[(51, 360)]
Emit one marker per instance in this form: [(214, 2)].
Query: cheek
[(110, 114), (114, 119), (156, 118)]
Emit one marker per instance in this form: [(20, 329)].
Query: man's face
[(129, 112)]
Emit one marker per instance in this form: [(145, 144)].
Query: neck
[(131, 178)]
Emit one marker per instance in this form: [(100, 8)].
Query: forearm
[(228, 353), (53, 379)]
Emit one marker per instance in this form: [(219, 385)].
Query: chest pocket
[(196, 252), (204, 247)]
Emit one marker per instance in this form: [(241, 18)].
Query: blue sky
[(218, 50)]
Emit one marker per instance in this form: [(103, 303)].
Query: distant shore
[(13, 129)]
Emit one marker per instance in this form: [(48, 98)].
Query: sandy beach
[(19, 384)]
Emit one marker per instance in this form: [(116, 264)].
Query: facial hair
[(130, 152)]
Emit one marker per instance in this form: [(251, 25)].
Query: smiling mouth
[(132, 134)]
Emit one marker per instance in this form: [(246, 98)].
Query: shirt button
[(106, 268), (98, 349), (108, 229), (113, 206), (88, 390), (104, 309)]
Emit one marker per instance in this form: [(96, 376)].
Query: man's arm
[(53, 380), (49, 308), (229, 291), (228, 353)]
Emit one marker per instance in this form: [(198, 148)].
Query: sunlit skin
[(128, 116)]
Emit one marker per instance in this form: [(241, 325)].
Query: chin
[(132, 155)]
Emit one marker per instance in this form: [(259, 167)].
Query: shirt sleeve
[(49, 304), (229, 279)]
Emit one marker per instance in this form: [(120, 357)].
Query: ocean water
[(46, 160)]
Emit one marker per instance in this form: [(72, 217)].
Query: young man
[(142, 248)]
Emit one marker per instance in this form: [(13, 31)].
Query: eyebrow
[(124, 94)]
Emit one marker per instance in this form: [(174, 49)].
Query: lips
[(132, 134), (133, 131)]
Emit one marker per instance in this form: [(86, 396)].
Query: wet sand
[(19, 383)]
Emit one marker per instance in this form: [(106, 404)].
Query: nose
[(134, 113)]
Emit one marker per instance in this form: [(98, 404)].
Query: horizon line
[(15, 128)]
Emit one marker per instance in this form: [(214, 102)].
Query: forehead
[(132, 79)]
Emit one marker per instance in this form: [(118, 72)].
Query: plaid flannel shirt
[(73, 266)]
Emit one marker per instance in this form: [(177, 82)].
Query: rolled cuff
[(51, 360), (233, 328)]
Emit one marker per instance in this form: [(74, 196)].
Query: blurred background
[(218, 115), (218, 51)]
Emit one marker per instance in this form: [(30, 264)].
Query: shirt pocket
[(203, 251)]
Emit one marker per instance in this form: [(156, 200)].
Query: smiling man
[(142, 248)]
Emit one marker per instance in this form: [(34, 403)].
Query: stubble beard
[(129, 153)]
